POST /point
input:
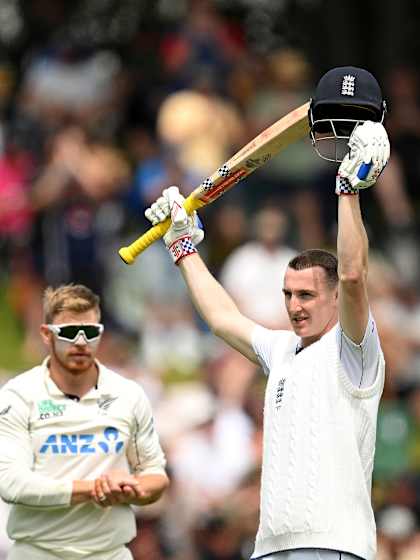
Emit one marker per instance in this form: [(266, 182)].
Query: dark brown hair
[(317, 257), (69, 297)]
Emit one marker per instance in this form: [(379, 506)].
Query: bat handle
[(130, 253)]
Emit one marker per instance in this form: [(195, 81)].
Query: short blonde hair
[(69, 297)]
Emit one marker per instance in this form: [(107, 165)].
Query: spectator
[(256, 266), (297, 176), (77, 198)]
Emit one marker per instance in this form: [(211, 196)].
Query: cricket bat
[(256, 153)]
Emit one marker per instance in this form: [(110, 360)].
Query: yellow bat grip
[(130, 253)]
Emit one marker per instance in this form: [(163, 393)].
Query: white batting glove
[(368, 156), (185, 232)]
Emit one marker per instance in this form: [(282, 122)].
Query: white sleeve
[(360, 361), (18, 483), (144, 453), (264, 341)]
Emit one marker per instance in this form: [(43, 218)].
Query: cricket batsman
[(326, 375)]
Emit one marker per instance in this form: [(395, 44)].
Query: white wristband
[(181, 248), (343, 186)]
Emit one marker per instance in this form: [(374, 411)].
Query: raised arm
[(216, 306), (369, 153), (352, 253), (210, 299)]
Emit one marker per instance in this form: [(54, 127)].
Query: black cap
[(345, 92)]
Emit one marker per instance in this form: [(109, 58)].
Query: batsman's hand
[(185, 231), (368, 155)]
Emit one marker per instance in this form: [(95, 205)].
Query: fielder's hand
[(185, 231), (368, 155), (115, 487)]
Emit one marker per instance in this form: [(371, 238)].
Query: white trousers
[(24, 551), (310, 554)]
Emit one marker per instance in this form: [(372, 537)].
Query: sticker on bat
[(253, 163), (224, 171), (207, 184), (211, 194)]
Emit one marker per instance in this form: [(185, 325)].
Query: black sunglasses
[(71, 332)]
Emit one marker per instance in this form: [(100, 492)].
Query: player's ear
[(46, 334)]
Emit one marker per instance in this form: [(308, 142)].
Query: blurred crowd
[(88, 139)]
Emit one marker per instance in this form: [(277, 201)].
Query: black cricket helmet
[(344, 97)]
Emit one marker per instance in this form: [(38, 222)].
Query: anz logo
[(84, 444)]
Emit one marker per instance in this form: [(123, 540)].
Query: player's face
[(311, 303), (75, 356)]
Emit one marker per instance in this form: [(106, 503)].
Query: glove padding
[(368, 155), (170, 205)]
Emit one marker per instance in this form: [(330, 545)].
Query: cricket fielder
[(77, 441)]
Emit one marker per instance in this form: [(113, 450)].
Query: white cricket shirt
[(319, 442), (47, 440)]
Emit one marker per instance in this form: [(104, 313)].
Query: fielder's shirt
[(47, 440)]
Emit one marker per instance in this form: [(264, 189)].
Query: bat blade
[(287, 130)]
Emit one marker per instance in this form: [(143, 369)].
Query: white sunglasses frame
[(55, 329)]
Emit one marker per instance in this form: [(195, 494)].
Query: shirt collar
[(299, 347)]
